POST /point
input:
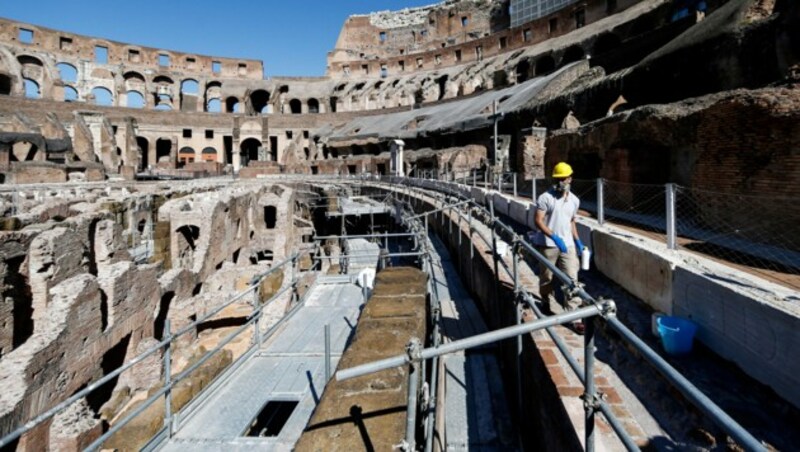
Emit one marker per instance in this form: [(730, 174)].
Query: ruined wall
[(733, 142), (70, 45), (448, 34), (736, 143), (87, 289)]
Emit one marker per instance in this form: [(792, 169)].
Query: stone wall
[(718, 146), (76, 305)]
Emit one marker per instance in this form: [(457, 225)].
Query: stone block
[(641, 271), (518, 211), (761, 337), (74, 428), (479, 195), (500, 204)]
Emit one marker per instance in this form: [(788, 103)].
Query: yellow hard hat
[(562, 170)]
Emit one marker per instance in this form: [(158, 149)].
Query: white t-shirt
[(558, 215)]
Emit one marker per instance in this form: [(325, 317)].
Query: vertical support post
[(534, 195), (518, 314), (590, 404), (294, 278), (168, 379), (495, 259), (671, 233), (256, 331), (601, 208), (413, 383), (514, 175), (450, 220), (340, 205), (460, 265), (494, 139), (474, 177), (327, 353), (471, 241)]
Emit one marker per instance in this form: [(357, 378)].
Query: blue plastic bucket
[(677, 334)]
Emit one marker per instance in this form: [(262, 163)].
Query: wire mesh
[(586, 191), (761, 233), (638, 205)]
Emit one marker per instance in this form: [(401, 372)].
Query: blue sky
[(290, 37)]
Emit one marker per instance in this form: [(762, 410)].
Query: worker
[(557, 238)]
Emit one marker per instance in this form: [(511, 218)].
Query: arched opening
[(209, 154), (545, 65), (103, 96), (144, 148), (5, 84), (523, 70), (67, 72), (23, 151), (189, 86), (163, 102), (213, 97), (214, 106), (313, 105), (163, 94), (259, 100), (573, 54), (161, 316), (249, 150), (31, 89), (442, 82), (134, 77), (186, 155), (70, 94), (135, 99), (232, 105), (163, 150), (187, 236), (270, 216), (163, 80), (295, 106), (605, 43)]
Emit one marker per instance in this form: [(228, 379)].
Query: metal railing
[(596, 309), (758, 232), (165, 391)]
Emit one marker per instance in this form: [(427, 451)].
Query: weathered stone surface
[(369, 411), (139, 431), (74, 428), (55, 256)]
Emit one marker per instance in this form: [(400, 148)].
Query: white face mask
[(562, 186)]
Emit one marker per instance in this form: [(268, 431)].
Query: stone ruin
[(95, 256)]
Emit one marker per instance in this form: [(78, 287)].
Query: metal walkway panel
[(336, 305), (229, 412), (289, 367), (365, 255)]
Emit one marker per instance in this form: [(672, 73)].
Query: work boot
[(579, 328)]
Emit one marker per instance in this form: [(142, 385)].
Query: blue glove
[(559, 243), (579, 245)]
